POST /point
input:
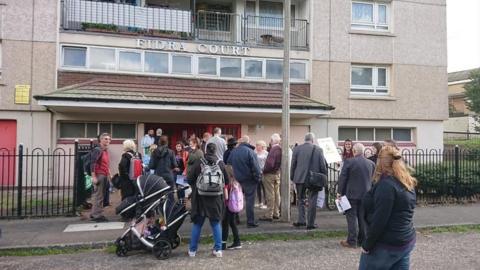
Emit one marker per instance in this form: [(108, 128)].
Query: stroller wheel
[(162, 249), (176, 242), (121, 247)]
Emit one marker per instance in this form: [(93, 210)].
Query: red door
[(8, 141)]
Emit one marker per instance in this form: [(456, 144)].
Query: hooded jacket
[(163, 162)]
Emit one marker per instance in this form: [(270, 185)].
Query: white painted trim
[(193, 108), (459, 82)]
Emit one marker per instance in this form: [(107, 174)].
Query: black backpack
[(87, 160)]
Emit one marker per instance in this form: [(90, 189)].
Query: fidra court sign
[(152, 44)]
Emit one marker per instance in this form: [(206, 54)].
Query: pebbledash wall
[(407, 97), (28, 51)]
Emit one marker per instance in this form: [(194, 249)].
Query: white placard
[(342, 204), (329, 150)]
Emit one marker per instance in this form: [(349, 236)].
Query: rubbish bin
[(82, 194)]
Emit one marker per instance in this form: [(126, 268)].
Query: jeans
[(381, 258), (229, 220), (106, 195), (197, 229)]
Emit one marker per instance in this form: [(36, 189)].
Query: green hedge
[(439, 179)]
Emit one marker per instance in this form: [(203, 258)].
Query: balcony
[(203, 25)]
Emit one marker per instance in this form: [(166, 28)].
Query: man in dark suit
[(354, 181), (302, 160)]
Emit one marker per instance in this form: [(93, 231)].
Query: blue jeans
[(197, 229), (385, 259)]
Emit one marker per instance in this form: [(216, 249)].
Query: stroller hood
[(151, 184)]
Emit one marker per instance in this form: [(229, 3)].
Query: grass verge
[(294, 236)]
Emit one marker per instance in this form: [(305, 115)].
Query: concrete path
[(50, 231)]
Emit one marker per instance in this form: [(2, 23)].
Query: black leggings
[(229, 220)]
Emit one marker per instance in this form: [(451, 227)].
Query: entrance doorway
[(181, 132), (8, 142)]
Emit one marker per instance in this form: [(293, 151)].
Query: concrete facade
[(29, 50), (414, 50)]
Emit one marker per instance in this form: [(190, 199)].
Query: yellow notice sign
[(22, 94)]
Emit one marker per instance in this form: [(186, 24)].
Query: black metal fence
[(444, 176), (37, 182)]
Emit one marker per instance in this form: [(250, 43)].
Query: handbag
[(315, 181)]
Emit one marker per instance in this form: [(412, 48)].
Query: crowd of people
[(379, 188)]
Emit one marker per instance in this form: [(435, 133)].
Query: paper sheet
[(343, 204)]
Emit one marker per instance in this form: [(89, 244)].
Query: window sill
[(372, 97), (371, 33)]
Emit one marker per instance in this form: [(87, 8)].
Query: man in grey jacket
[(302, 155), (354, 181), (219, 142)]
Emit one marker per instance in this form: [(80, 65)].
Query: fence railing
[(444, 176), (37, 182), (268, 31), (106, 17), (461, 138), (123, 18)]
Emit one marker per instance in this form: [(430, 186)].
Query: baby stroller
[(155, 219)]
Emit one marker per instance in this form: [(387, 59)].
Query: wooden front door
[(8, 142)]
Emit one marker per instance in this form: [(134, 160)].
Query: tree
[(472, 93)]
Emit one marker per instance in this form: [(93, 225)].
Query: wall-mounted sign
[(22, 94), (151, 44)]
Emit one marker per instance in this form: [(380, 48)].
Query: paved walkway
[(445, 251), (49, 231)]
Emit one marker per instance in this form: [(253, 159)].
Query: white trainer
[(192, 253), (217, 253)]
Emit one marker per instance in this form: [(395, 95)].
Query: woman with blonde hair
[(389, 208), (260, 150), (127, 187)]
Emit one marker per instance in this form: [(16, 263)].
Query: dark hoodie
[(163, 162)]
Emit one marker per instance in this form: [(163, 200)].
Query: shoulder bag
[(315, 181)]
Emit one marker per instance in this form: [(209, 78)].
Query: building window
[(370, 15), (101, 58), (74, 56), (156, 62), (369, 80), (298, 71), (130, 61), (254, 68), (69, 130), (230, 67), (207, 66), (370, 134), (274, 69), (181, 64)]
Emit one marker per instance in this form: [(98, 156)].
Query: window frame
[(85, 132), (375, 139), (194, 64), (142, 60), (76, 48), (375, 25), (376, 89)]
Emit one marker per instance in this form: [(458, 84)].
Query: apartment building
[(461, 119), (363, 70)]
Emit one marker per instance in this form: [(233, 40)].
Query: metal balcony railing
[(123, 18), (107, 17)]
